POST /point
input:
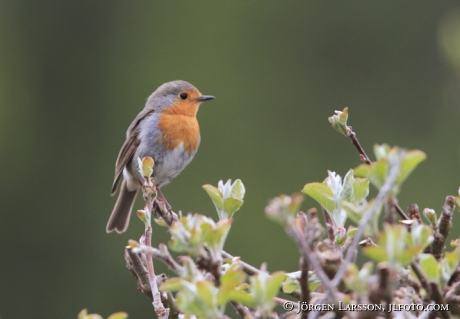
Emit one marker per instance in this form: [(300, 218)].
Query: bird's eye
[(183, 96)]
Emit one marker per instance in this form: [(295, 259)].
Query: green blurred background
[(73, 75)]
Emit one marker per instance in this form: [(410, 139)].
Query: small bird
[(166, 130)]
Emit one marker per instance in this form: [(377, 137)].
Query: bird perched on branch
[(166, 130)]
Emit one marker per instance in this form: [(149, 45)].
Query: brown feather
[(126, 153), (119, 219), (128, 149)]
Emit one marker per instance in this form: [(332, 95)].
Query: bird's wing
[(128, 149)]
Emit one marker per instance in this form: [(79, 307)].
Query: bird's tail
[(119, 219)]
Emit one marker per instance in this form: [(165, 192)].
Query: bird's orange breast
[(179, 126)]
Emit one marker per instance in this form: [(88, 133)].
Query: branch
[(442, 231), (242, 310), (247, 268), (312, 260), (365, 158), (329, 223), (304, 287), (149, 192), (414, 213), (251, 270), (138, 271), (164, 209), (161, 254), (399, 210), (385, 287), (421, 276), (366, 218), (453, 298), (362, 154), (437, 297), (160, 310)]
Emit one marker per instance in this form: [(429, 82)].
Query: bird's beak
[(205, 98)]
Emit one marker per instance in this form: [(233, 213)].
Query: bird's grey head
[(169, 93)]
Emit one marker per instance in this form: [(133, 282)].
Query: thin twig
[(304, 287), (164, 209), (251, 270), (312, 260), (453, 299), (161, 254), (414, 213), (362, 153), (247, 268), (385, 287), (366, 218), (150, 192), (438, 298), (138, 271), (421, 276), (365, 158), (242, 310), (442, 231), (399, 210), (329, 223), (174, 311), (160, 310)]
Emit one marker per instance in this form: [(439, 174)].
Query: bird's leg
[(163, 209), (163, 198)]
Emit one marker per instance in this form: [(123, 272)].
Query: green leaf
[(313, 284), (206, 292), (351, 232), (339, 121), (238, 189), (146, 166), (322, 194), (274, 284), (233, 275), (215, 194), (404, 257), (422, 235), (160, 222), (358, 280), (143, 215), (172, 284), (118, 315), (242, 297), (346, 192), (187, 303), (290, 285), (376, 253), (451, 261), (381, 151), (83, 314), (430, 214), (409, 163), (379, 173), (376, 172), (360, 189), (231, 205), (430, 267), (223, 296), (363, 170)]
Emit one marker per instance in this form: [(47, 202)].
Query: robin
[(166, 130)]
